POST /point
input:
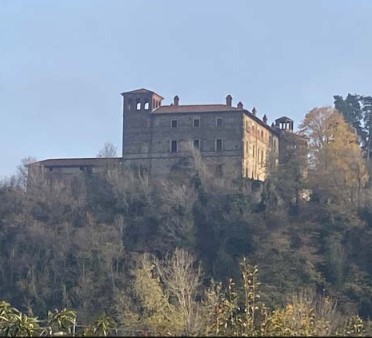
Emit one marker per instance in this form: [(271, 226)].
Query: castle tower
[(137, 107), (284, 123)]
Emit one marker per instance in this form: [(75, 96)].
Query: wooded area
[(185, 254)]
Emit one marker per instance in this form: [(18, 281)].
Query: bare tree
[(182, 282), (108, 151)]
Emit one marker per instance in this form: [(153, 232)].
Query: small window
[(219, 170), (174, 146), (197, 144), (50, 169), (147, 106), (247, 126), (130, 104), (246, 147), (196, 122), (138, 105), (219, 121), (82, 168), (262, 158), (218, 144), (174, 124), (262, 134), (253, 151)]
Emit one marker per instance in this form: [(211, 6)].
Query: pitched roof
[(199, 108), (284, 119), (76, 162), (141, 91)]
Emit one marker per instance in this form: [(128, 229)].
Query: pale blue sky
[(63, 64)]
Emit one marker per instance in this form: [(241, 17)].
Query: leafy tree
[(337, 170), (357, 111)]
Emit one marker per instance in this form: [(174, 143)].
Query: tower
[(137, 107)]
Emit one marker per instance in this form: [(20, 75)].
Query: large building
[(160, 138)]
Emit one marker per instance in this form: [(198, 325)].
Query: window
[(196, 144), (262, 158), (130, 104), (253, 151), (174, 146), (246, 147), (219, 170), (147, 106), (174, 123), (218, 144), (138, 104), (262, 134), (196, 122), (247, 126), (218, 121)]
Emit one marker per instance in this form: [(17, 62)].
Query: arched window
[(147, 106), (138, 105)]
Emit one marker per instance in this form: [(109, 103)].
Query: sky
[(64, 63)]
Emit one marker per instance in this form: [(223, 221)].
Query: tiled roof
[(202, 108), (142, 91), (77, 162), (284, 119)]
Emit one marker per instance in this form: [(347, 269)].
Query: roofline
[(150, 91), (98, 159), (254, 117)]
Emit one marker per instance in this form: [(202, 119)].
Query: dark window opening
[(50, 169), (82, 168), (174, 146), (219, 121), (218, 144), (219, 170), (197, 144), (174, 123), (196, 122), (130, 104)]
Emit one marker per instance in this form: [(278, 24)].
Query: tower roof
[(141, 91)]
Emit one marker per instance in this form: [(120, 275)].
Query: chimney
[(254, 111), (264, 119), (240, 105), (176, 100), (228, 100)]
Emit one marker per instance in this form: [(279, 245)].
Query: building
[(231, 140), (160, 138)]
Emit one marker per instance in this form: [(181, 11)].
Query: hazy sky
[(63, 64)]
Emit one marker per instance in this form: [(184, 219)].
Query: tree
[(108, 151), (357, 111), (337, 169), (167, 293)]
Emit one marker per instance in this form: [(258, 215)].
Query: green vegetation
[(169, 256)]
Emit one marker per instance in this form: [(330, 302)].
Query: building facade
[(230, 140), (158, 138)]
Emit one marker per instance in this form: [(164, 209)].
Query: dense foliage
[(113, 243)]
